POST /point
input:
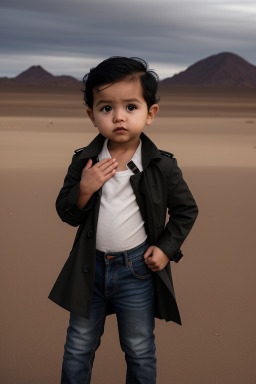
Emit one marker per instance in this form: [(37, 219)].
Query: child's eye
[(131, 107), (106, 108)]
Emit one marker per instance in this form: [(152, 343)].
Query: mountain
[(223, 69), (37, 75)]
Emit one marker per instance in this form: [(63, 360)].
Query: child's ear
[(152, 113), (90, 114)]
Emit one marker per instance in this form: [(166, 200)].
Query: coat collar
[(149, 149)]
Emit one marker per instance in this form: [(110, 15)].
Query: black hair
[(115, 69)]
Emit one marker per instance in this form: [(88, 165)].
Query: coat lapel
[(142, 189), (142, 192)]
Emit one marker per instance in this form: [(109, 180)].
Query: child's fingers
[(110, 174), (88, 164), (104, 163), (148, 252), (152, 264), (110, 168)]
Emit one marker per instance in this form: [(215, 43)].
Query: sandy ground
[(214, 284)]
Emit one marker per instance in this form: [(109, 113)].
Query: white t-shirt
[(120, 224)]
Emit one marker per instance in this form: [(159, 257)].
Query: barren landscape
[(212, 133)]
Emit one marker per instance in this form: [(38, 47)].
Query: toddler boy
[(117, 190)]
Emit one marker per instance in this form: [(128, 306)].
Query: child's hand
[(93, 177), (155, 258)]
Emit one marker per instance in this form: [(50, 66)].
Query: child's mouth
[(120, 129)]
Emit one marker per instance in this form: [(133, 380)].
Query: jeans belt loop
[(125, 259)]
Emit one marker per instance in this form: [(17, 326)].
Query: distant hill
[(223, 69), (36, 75)]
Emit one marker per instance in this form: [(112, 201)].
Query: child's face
[(120, 111)]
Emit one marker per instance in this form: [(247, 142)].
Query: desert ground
[(212, 133)]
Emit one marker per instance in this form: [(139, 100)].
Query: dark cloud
[(166, 31)]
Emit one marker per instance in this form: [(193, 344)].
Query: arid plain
[(212, 133)]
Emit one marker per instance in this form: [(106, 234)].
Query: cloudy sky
[(71, 36)]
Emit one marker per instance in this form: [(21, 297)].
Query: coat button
[(90, 234), (85, 268)]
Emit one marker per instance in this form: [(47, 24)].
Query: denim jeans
[(125, 283)]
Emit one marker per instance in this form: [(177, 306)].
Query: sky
[(71, 36)]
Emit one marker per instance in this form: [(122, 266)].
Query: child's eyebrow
[(126, 101), (103, 102), (133, 101)]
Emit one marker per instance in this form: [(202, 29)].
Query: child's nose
[(119, 116)]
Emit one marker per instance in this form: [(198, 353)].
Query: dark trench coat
[(158, 188)]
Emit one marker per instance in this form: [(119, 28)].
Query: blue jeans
[(124, 283)]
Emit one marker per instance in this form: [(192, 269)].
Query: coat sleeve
[(66, 205), (182, 211)]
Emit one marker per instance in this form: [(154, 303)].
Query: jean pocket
[(139, 269)]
